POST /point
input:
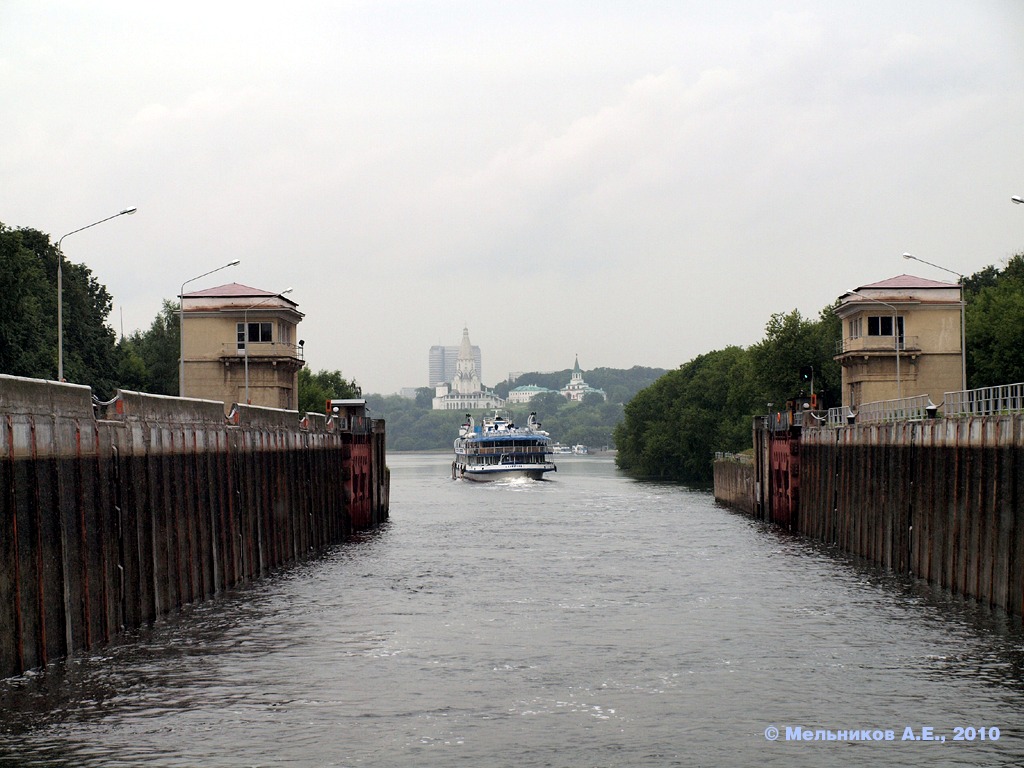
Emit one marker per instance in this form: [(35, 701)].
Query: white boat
[(498, 449)]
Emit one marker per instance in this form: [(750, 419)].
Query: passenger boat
[(497, 449)]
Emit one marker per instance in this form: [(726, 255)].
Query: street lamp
[(896, 339), (963, 316), (60, 288), (181, 323), (245, 322), (1017, 199)]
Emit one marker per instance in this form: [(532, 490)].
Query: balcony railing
[(262, 349), (1007, 398), (877, 344)]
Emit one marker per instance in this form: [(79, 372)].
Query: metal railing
[(781, 421), (739, 458), (262, 349), (517, 450), (837, 417), (877, 344), (915, 408), (1007, 398)]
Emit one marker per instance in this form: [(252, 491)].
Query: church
[(465, 393), (577, 388)]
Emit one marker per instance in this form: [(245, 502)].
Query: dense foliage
[(28, 315), (672, 429), (995, 325), (148, 360), (315, 389)]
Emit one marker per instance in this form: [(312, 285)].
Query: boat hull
[(511, 472)]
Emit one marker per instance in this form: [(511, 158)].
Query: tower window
[(881, 325), (257, 332)]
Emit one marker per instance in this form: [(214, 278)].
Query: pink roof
[(230, 290), (234, 291), (910, 281)]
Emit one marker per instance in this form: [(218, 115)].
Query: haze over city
[(635, 183)]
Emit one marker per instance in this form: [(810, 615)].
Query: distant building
[(915, 318), (526, 394), (236, 338), (577, 388), (442, 362), (465, 392)]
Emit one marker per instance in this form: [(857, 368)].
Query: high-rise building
[(443, 363)]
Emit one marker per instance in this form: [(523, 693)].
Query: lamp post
[(895, 336), (1017, 199), (181, 323), (60, 288), (245, 322), (963, 317)]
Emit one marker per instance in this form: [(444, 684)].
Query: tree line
[(144, 361), (672, 429)]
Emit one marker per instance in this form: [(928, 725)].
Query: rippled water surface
[(589, 620)]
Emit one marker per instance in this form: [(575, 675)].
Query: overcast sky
[(634, 181)]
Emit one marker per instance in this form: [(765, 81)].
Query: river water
[(588, 620)]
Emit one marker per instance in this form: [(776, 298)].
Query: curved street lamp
[(1017, 199), (60, 287), (181, 323), (245, 323), (963, 316), (895, 336)]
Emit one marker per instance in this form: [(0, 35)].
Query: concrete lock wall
[(938, 499), (113, 516), (734, 484)]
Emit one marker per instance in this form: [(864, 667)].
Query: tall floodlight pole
[(181, 323), (60, 288), (245, 322), (963, 318), (895, 336)]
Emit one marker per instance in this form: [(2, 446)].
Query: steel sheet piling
[(110, 522), (939, 499)]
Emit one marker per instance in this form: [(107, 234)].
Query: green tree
[(995, 325), (424, 397), (28, 310), (548, 402), (29, 322), (148, 360), (672, 428), (792, 342), (315, 389)]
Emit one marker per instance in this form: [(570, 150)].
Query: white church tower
[(466, 392), (467, 377)]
